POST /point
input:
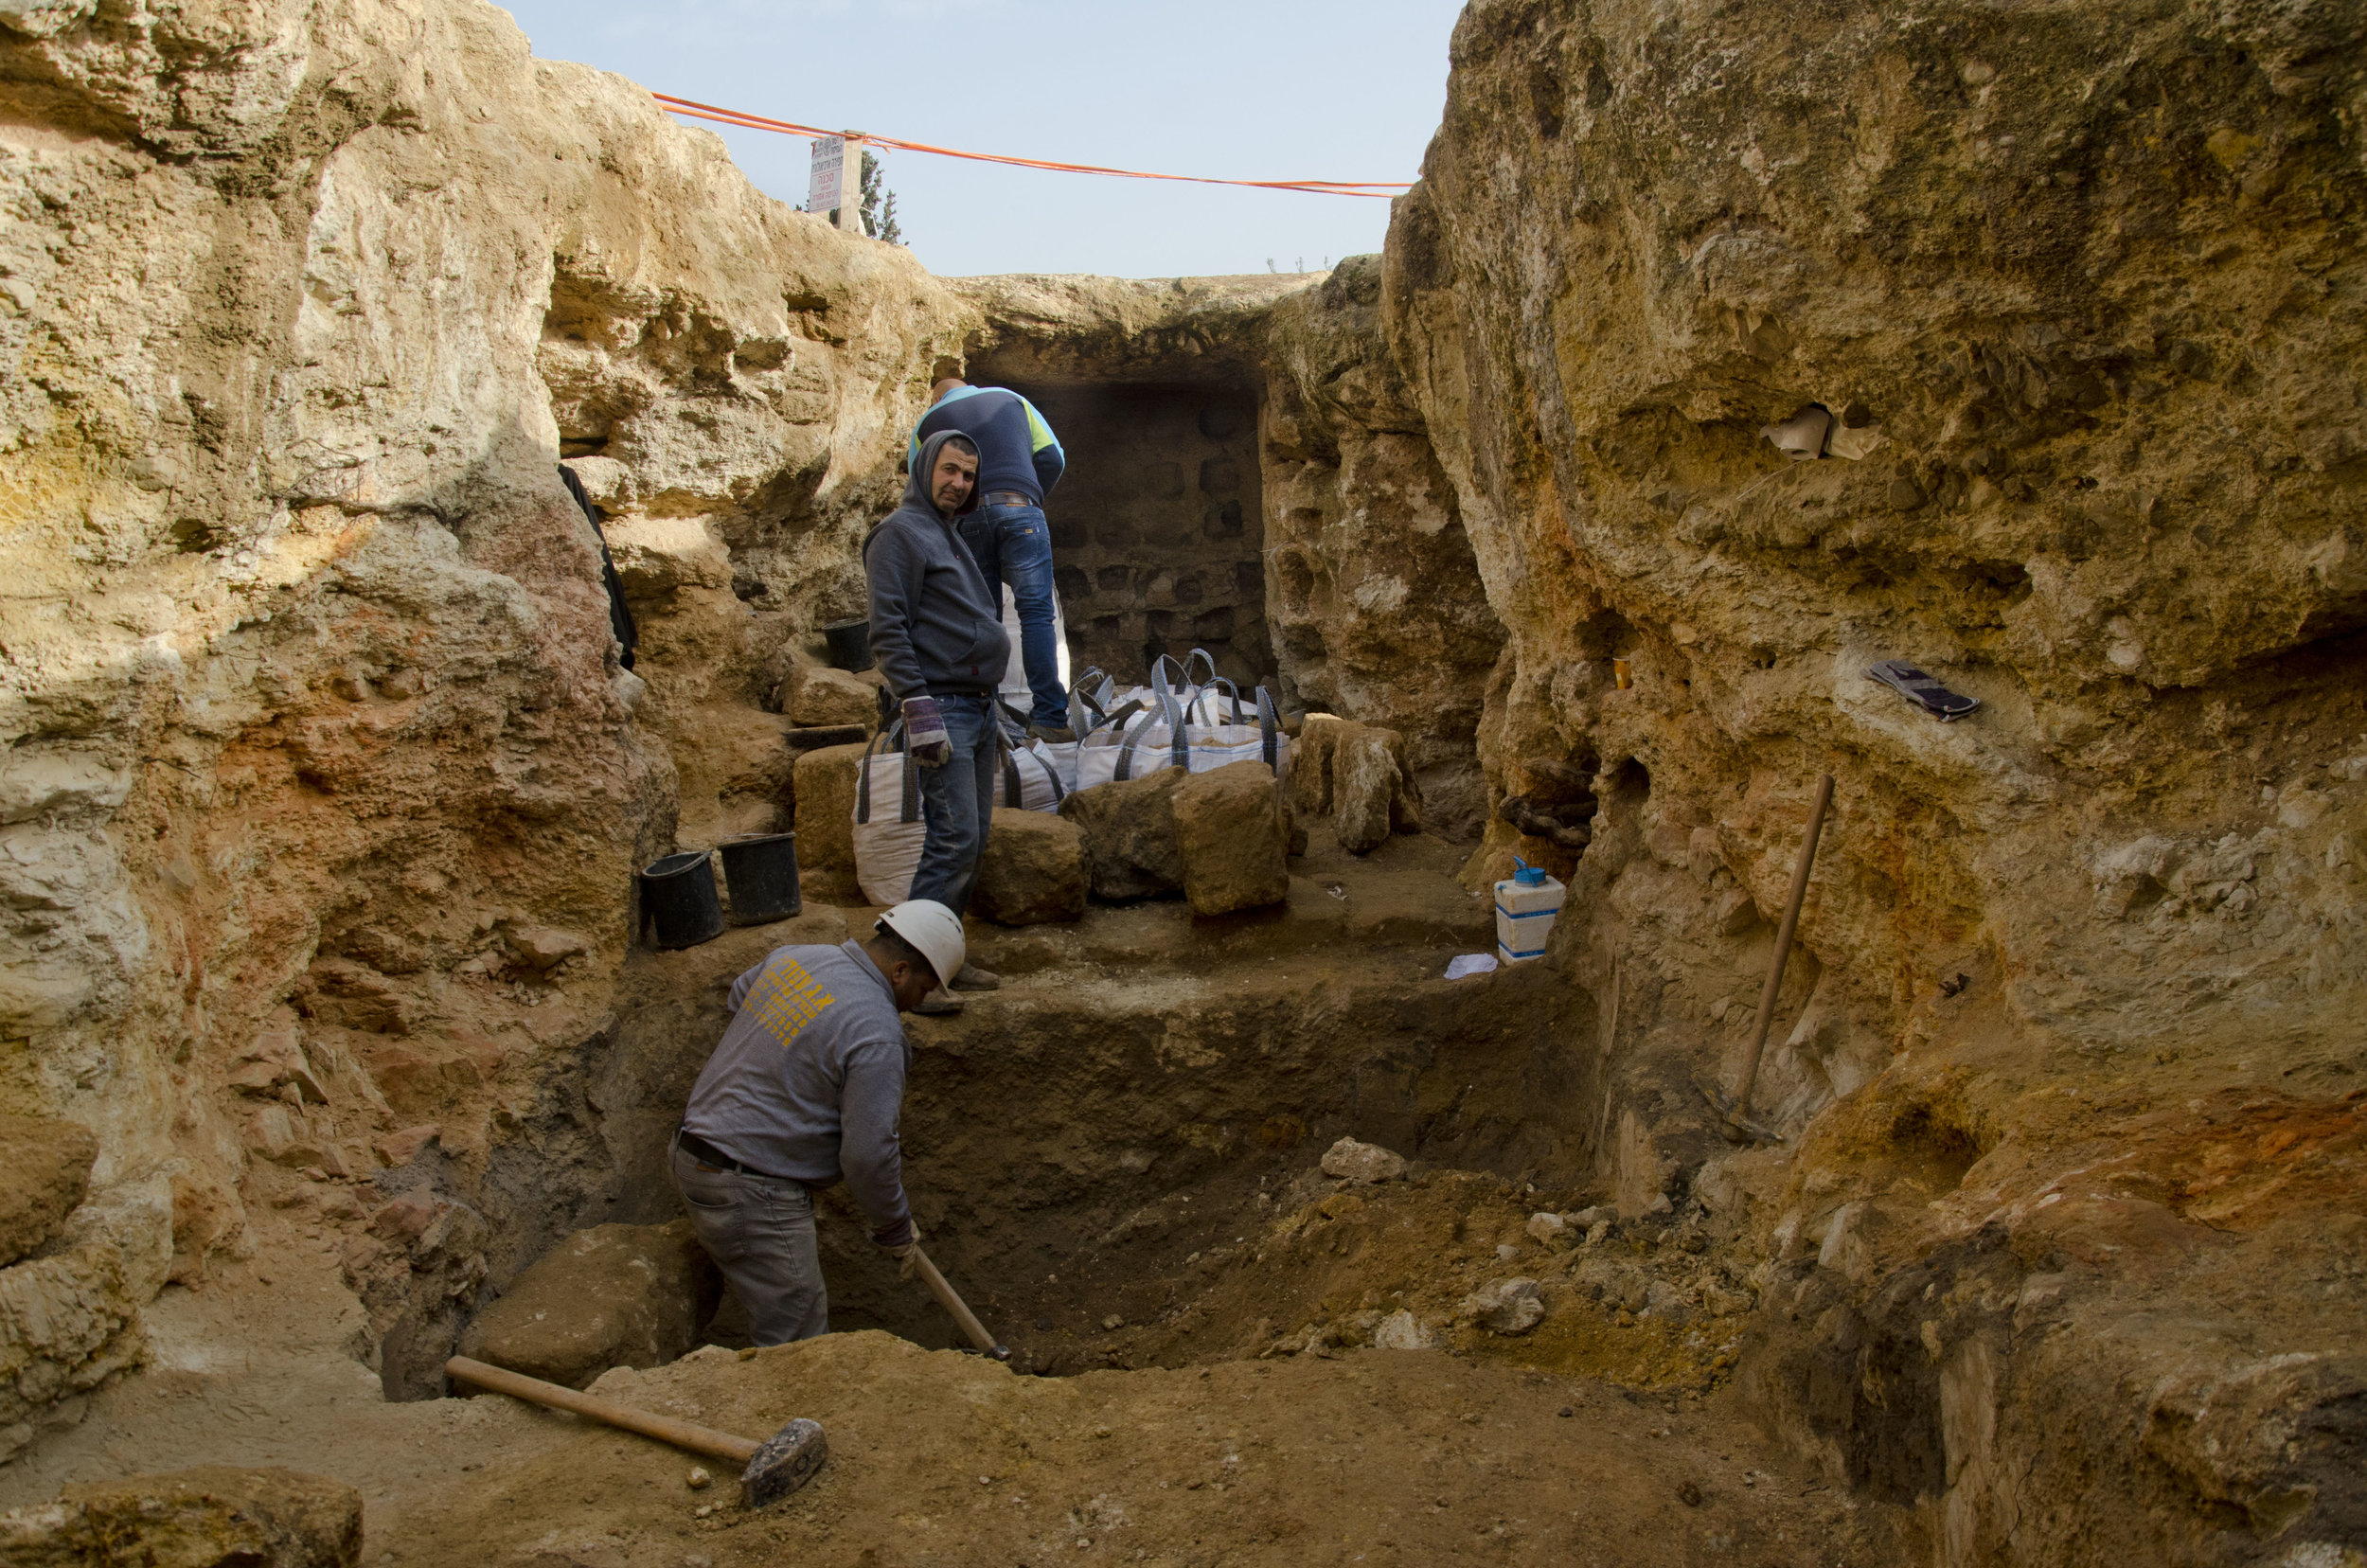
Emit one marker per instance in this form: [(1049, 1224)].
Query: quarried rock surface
[(1035, 869), (1130, 834), (311, 703), (44, 1170), (215, 1516), (1377, 610), (2082, 451), (613, 1295), (1231, 832)]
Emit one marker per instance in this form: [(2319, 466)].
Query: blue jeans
[(957, 802), (1014, 545)]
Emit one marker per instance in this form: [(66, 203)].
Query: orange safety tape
[(1381, 189)]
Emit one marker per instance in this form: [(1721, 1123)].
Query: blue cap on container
[(1528, 874)]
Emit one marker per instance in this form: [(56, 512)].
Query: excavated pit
[(323, 786), (1115, 1132)]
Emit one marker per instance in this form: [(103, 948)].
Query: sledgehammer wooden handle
[(953, 1304), (683, 1434)]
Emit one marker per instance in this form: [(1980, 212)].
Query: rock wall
[(1374, 597), (1331, 557), (323, 788), (2082, 292)]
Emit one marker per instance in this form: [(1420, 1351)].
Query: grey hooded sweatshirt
[(936, 624)]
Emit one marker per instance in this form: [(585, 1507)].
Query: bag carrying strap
[(1268, 731), (1014, 791), (1200, 655), (1231, 690), (1159, 682), (1004, 755), (1173, 713), (893, 736), (1178, 731)]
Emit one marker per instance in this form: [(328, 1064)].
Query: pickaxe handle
[(1737, 1120), (953, 1304), (683, 1434)]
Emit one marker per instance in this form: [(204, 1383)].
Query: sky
[(1244, 89)]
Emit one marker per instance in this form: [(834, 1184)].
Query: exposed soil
[(1378, 1456), (1115, 1157)]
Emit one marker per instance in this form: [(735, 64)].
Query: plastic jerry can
[(1525, 907)]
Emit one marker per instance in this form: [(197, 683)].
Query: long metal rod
[(683, 1434), (953, 1304), (1736, 1117)]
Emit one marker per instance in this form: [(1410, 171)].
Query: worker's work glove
[(901, 1242), (924, 733)]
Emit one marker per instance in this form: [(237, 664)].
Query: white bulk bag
[(1028, 778), (1014, 693), (889, 830), (1135, 742), (1167, 735)]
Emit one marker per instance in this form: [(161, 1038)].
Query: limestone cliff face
[(2082, 293), (2108, 340), (322, 789), (1376, 605)]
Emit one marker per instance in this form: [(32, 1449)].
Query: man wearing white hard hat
[(805, 1090)]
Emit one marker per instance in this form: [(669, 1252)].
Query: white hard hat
[(936, 930)]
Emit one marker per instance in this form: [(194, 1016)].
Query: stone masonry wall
[(1155, 529)]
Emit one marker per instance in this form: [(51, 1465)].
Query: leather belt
[(707, 1154), (1009, 498)]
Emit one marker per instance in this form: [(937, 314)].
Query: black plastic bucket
[(678, 897), (761, 872), (850, 644)]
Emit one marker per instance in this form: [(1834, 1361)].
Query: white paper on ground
[(1471, 963)]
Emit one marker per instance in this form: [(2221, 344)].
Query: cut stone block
[(1236, 842), (822, 698), (1129, 835), (826, 807), (1035, 869), (613, 1295), (1373, 792)]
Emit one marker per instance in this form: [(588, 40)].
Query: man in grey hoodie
[(937, 629)]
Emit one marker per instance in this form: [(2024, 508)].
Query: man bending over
[(1018, 462), (805, 1090)]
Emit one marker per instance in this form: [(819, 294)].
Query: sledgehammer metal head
[(783, 1463)]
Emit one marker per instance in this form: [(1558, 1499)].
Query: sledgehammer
[(776, 1467)]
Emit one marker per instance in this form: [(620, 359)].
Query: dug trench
[(1220, 1352), (324, 778)]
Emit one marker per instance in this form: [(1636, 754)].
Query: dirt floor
[(1220, 1354), (938, 1458)]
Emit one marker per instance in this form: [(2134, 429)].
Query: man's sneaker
[(973, 978), (1059, 734), (940, 1002)]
